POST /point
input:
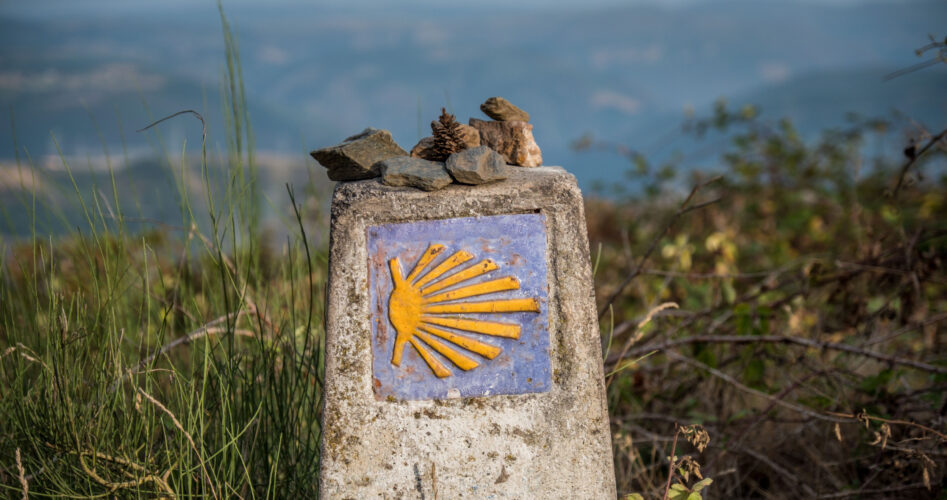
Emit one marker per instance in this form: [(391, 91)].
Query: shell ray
[(436, 366), (483, 267), (473, 345), (498, 285), (491, 306), (451, 262), (507, 330), (462, 361), (429, 255)]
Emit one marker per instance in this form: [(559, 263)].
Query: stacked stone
[(510, 134), (491, 147)]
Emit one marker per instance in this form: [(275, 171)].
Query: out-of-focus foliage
[(795, 307), (777, 332), (184, 361)]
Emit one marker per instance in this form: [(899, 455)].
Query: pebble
[(414, 172), (477, 165)]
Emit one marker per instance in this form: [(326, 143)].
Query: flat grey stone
[(356, 157), (414, 172), (553, 444), (477, 165), (500, 109)]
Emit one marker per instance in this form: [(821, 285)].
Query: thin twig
[(761, 417), (716, 276), (209, 328), (778, 339), (639, 331), (912, 68), (685, 208), (913, 159), (792, 478), (736, 383), (892, 489), (929, 321), (667, 486), (866, 416), (828, 416)]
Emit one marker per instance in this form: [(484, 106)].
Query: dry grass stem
[(187, 435), (144, 476), (21, 474)]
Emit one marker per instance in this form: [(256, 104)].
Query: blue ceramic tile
[(515, 245)]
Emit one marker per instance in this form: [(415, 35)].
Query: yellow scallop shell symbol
[(419, 307)]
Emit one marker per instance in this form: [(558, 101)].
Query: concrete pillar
[(463, 353)]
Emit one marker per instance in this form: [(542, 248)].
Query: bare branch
[(912, 68), (667, 487), (877, 491), (778, 339), (209, 328), (912, 159), (865, 416), (739, 385), (685, 208)]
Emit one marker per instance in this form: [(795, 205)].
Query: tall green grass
[(171, 362)]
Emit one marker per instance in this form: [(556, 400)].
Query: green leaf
[(678, 494), (876, 383), (754, 373), (763, 313), (742, 318), (729, 293), (633, 496), (705, 355), (702, 484), (694, 496)]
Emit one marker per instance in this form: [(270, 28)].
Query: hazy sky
[(318, 71), (72, 8)]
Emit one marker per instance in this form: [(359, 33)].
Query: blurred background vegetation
[(793, 306), (769, 267)]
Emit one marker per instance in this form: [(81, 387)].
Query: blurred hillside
[(314, 75)]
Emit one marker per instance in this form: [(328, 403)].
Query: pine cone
[(448, 138)]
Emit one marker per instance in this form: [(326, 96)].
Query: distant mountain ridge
[(314, 76)]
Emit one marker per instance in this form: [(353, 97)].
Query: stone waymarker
[(463, 354)]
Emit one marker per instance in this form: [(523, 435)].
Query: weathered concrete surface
[(553, 444)]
